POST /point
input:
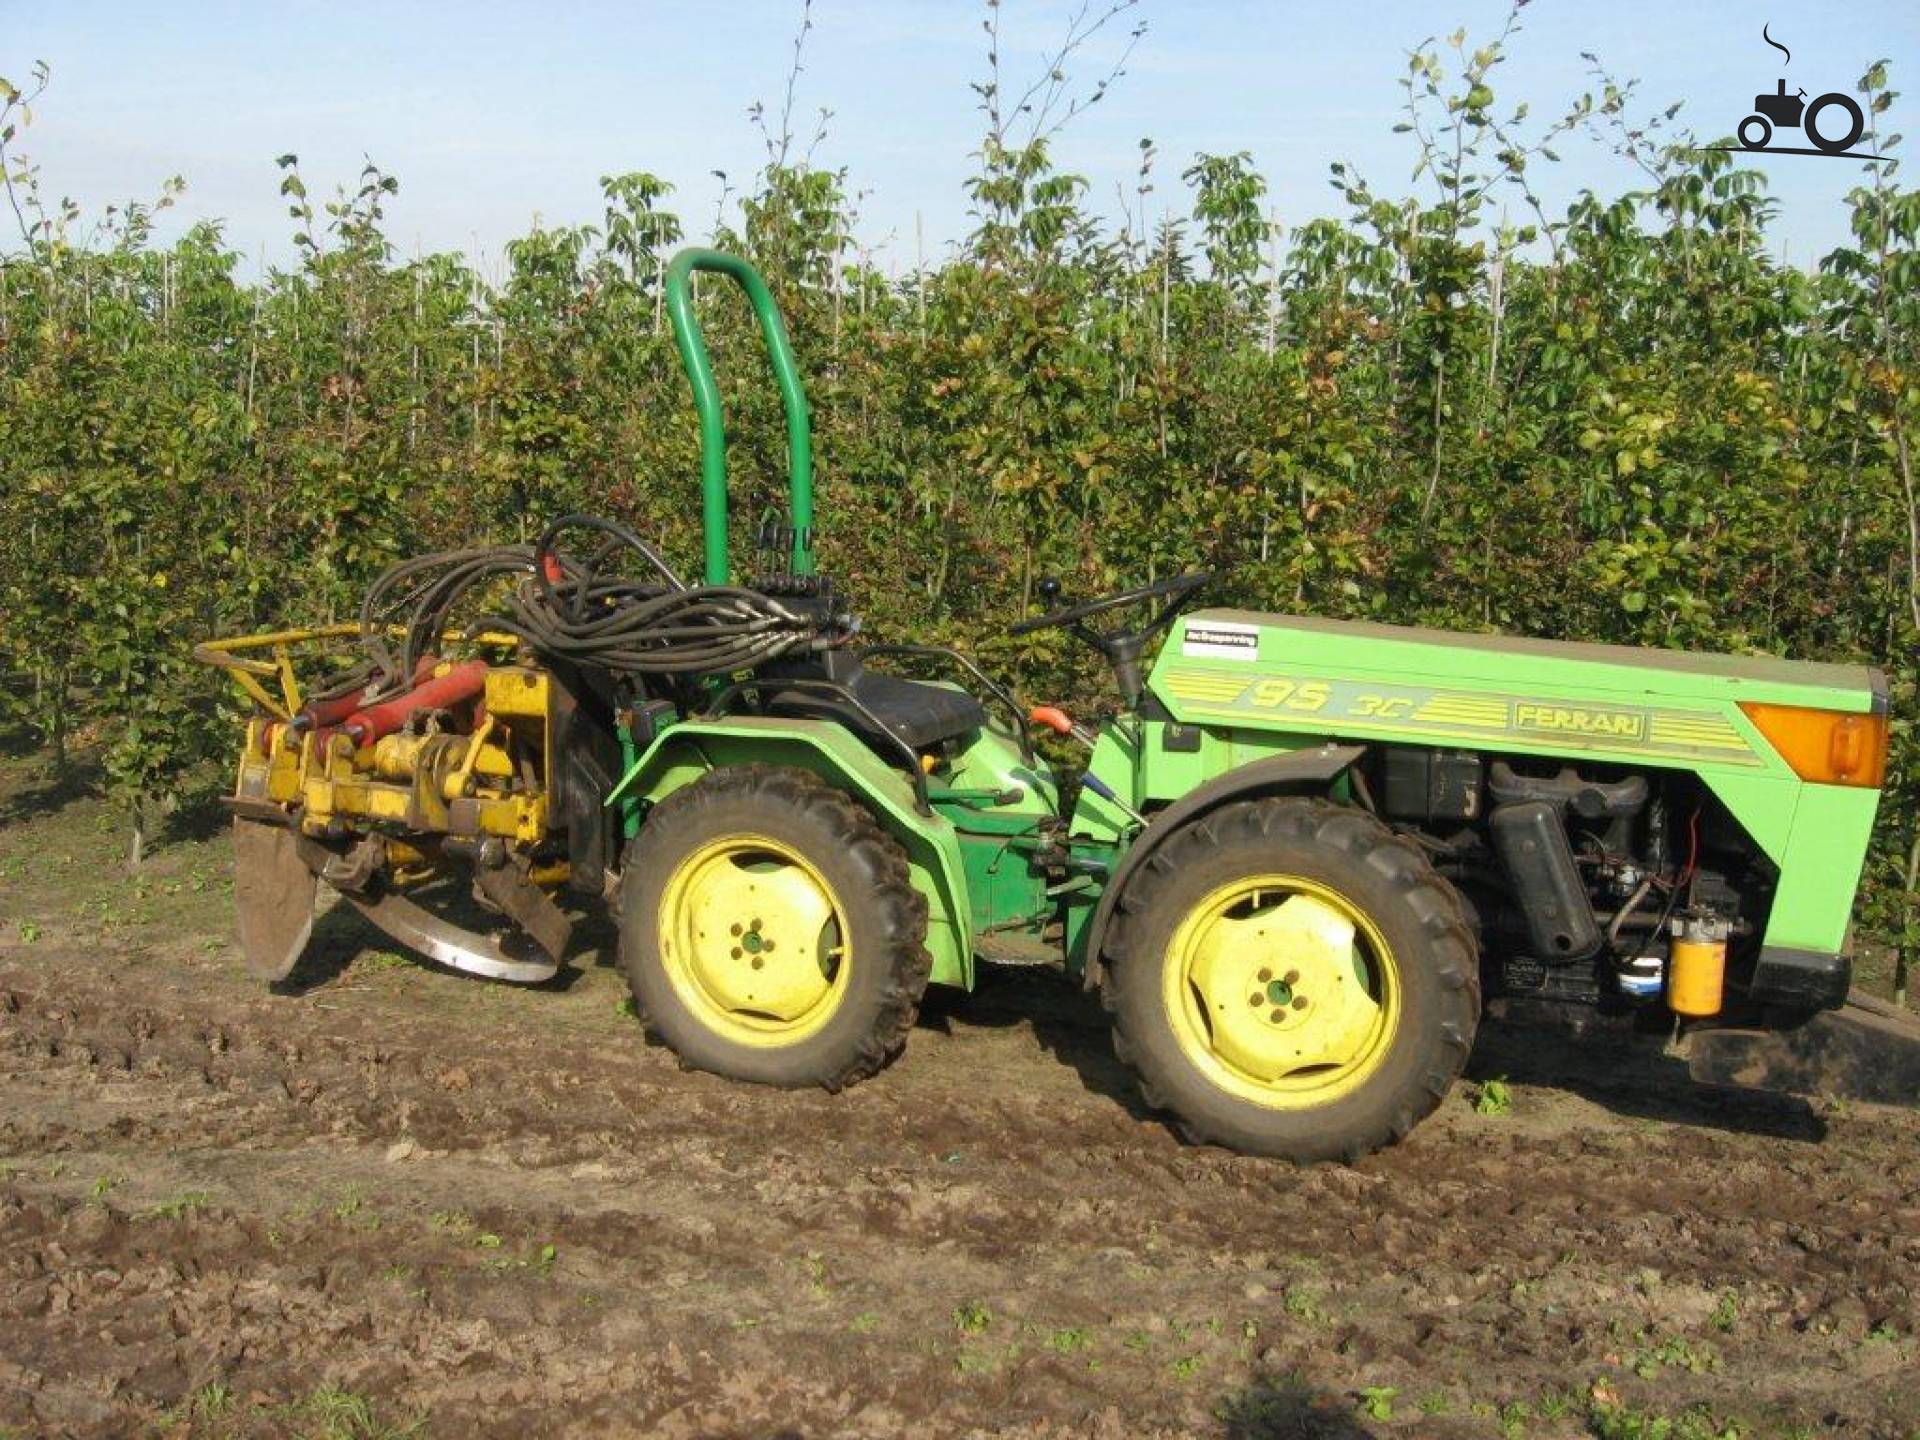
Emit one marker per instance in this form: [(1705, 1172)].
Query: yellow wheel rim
[(1281, 991), (754, 941)]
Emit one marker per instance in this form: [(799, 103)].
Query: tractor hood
[(1350, 677)]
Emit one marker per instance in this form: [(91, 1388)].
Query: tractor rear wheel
[(769, 930), (1290, 978)]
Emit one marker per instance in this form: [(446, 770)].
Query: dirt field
[(397, 1201)]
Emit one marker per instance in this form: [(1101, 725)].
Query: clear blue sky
[(491, 114)]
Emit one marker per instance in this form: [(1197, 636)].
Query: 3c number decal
[(1381, 707)]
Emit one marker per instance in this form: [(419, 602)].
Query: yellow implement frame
[(249, 671), (450, 786)]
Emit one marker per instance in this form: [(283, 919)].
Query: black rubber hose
[(566, 608)]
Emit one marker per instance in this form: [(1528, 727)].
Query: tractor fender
[(1311, 769), (682, 753)]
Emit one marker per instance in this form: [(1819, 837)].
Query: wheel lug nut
[(758, 962), (1292, 977), (737, 952), (1299, 1002), (1256, 1000), (1277, 1016), (736, 929), (1265, 974)]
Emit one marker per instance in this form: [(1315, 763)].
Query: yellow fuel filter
[(1697, 968)]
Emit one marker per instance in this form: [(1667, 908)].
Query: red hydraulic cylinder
[(321, 716), (318, 714), (461, 683)]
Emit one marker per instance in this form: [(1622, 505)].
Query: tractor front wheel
[(1290, 978), (769, 930)]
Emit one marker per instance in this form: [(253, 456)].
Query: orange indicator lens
[(1831, 747)]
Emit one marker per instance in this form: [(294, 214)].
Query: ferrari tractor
[(1294, 860)]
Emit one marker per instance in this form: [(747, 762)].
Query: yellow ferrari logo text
[(1570, 720)]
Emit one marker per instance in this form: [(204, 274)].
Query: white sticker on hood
[(1220, 640)]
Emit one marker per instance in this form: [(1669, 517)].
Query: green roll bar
[(706, 399)]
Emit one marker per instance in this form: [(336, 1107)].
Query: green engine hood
[(1391, 682)]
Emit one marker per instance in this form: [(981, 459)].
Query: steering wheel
[(1179, 587), (1120, 647)]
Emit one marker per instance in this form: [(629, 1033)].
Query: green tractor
[(1294, 862)]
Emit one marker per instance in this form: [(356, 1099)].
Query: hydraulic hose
[(573, 608)]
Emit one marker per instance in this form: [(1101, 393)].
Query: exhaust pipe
[(1532, 843)]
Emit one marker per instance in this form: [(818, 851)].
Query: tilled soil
[(398, 1195)]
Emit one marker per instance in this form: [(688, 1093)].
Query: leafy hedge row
[(1623, 422)]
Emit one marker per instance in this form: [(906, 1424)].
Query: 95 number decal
[(1302, 695), (1309, 697)]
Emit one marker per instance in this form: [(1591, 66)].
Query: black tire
[(1856, 123), (867, 873), (1381, 875), (1766, 132)]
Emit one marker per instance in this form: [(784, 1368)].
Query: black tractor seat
[(921, 714)]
